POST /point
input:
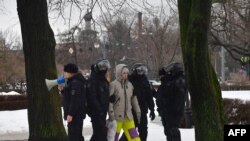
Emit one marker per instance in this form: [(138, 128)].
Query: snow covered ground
[(14, 124), (9, 93)]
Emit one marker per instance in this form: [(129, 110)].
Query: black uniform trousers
[(75, 129), (171, 130), (99, 128)]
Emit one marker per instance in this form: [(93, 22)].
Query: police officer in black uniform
[(98, 99), (74, 101), (143, 91), (170, 99)]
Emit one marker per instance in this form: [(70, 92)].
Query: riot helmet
[(140, 69), (102, 65), (171, 70)]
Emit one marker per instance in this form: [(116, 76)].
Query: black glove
[(112, 98), (152, 115)]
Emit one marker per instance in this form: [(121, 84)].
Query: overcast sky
[(9, 18)]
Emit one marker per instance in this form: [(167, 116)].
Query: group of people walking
[(126, 100)]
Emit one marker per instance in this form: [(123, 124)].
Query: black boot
[(123, 138), (175, 134)]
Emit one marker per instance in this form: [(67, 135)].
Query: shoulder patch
[(73, 92)]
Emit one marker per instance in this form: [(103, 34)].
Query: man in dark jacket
[(98, 99), (144, 95), (74, 101), (170, 99)]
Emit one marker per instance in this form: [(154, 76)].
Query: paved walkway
[(87, 132)]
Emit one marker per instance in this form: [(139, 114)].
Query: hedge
[(13, 102), (236, 111)]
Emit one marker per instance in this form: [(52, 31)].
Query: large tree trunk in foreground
[(201, 78), (44, 110)]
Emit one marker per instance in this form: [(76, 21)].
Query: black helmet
[(140, 68), (172, 69), (102, 65)]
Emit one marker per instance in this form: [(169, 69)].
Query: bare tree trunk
[(201, 78), (44, 111)]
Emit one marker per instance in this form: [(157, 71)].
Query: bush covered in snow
[(236, 111)]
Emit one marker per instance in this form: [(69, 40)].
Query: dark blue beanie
[(70, 68)]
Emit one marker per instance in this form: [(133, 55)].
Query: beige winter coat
[(124, 98)]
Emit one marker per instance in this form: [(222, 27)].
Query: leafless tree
[(231, 27), (154, 43), (11, 58), (164, 37), (112, 12), (78, 46)]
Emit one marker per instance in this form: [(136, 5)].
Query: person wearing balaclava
[(98, 99), (74, 101), (123, 101), (144, 94)]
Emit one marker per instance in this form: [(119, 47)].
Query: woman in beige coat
[(120, 109)]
